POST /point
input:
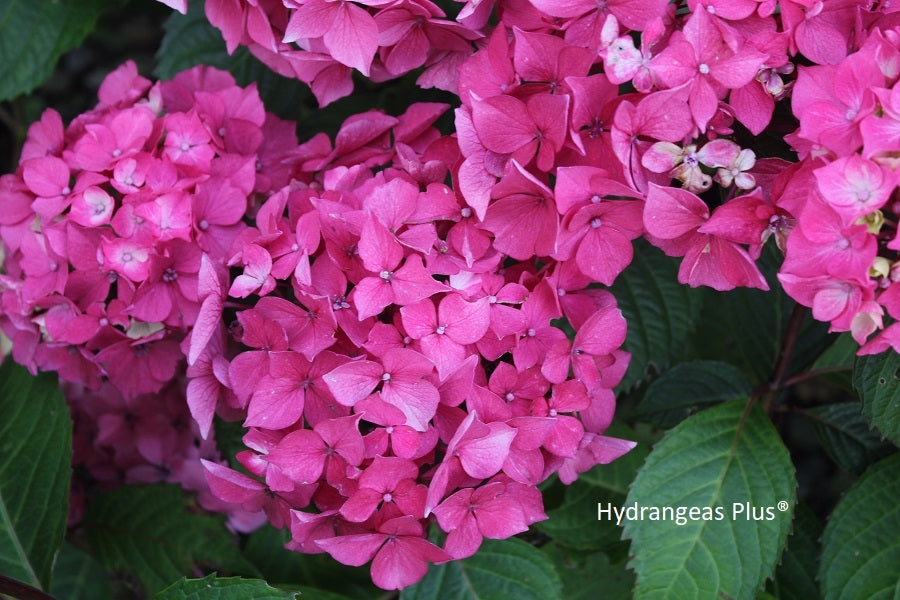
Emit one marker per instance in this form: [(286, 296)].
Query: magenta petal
[(671, 212), (361, 505), (378, 247), (353, 381), (371, 296), (503, 123), (404, 561), (483, 457), (412, 282), (46, 176), (353, 37), (229, 485), (207, 320), (464, 539), (606, 449), (277, 403), (464, 322), (301, 455), (202, 395), (353, 550), (417, 400)]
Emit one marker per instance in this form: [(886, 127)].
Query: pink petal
[(353, 381), (671, 212)]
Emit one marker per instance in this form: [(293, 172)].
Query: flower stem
[(766, 392)]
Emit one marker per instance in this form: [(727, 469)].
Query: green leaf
[(846, 436), (795, 578), (500, 570), (583, 575), (661, 313), (688, 388), (77, 576), (748, 325), (152, 532), (574, 523), (223, 588), (35, 34), (35, 457), (838, 358), (716, 461), (860, 546), (877, 381), (320, 594)]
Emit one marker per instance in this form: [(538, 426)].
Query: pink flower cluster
[(381, 310), (105, 223), (322, 42), (842, 258), (393, 356), (543, 91), (401, 364), (103, 228)]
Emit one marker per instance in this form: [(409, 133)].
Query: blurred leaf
[(877, 380), (584, 575), (718, 459), (846, 436), (860, 546), (35, 458), (661, 313), (152, 532), (36, 33), (688, 388), (77, 576), (795, 578), (223, 588), (500, 570)]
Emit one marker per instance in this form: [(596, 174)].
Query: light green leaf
[(715, 462), (661, 313), (860, 546), (77, 576), (877, 380), (688, 388), (35, 34), (223, 588), (500, 570), (150, 532), (846, 436), (35, 457)]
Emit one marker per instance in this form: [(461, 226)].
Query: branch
[(766, 392)]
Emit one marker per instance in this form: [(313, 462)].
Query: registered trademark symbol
[(783, 505)]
